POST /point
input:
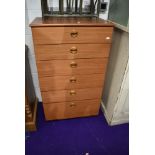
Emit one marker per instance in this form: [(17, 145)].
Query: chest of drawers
[(71, 57)]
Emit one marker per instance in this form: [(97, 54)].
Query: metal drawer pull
[(73, 50), (73, 80), (72, 92), (74, 34), (72, 104), (73, 64), (107, 38)]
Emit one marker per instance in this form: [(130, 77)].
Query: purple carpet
[(80, 136)]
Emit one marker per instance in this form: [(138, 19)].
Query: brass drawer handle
[(72, 79), (72, 104), (73, 64), (73, 50), (74, 34), (72, 92)]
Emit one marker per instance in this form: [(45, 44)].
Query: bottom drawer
[(64, 110)]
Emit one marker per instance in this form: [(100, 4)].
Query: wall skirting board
[(112, 122), (105, 113)]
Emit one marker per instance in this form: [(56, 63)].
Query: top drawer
[(58, 35)]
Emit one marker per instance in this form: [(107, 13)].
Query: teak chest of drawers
[(71, 57)]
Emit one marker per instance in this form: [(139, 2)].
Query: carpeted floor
[(80, 136)]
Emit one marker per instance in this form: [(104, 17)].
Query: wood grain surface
[(71, 82), (58, 35), (71, 51), (65, 95), (74, 109), (66, 67), (64, 22)]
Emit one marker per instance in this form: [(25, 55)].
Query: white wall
[(121, 111), (115, 94), (33, 10)]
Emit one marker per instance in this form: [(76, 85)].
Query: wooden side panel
[(71, 82), (63, 67), (58, 35), (65, 110), (71, 51), (71, 95)]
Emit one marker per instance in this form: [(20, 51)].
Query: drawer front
[(71, 51), (71, 67), (71, 95), (71, 82), (58, 35), (64, 110)]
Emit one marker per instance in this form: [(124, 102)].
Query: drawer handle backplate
[(73, 50), (73, 64), (72, 92), (72, 79), (72, 104), (74, 34)]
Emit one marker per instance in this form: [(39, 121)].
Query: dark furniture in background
[(30, 97), (73, 8)]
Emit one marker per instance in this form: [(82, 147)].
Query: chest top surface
[(71, 21)]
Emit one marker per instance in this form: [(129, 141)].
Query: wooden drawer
[(71, 95), (58, 35), (71, 67), (64, 110), (71, 82), (71, 51)]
